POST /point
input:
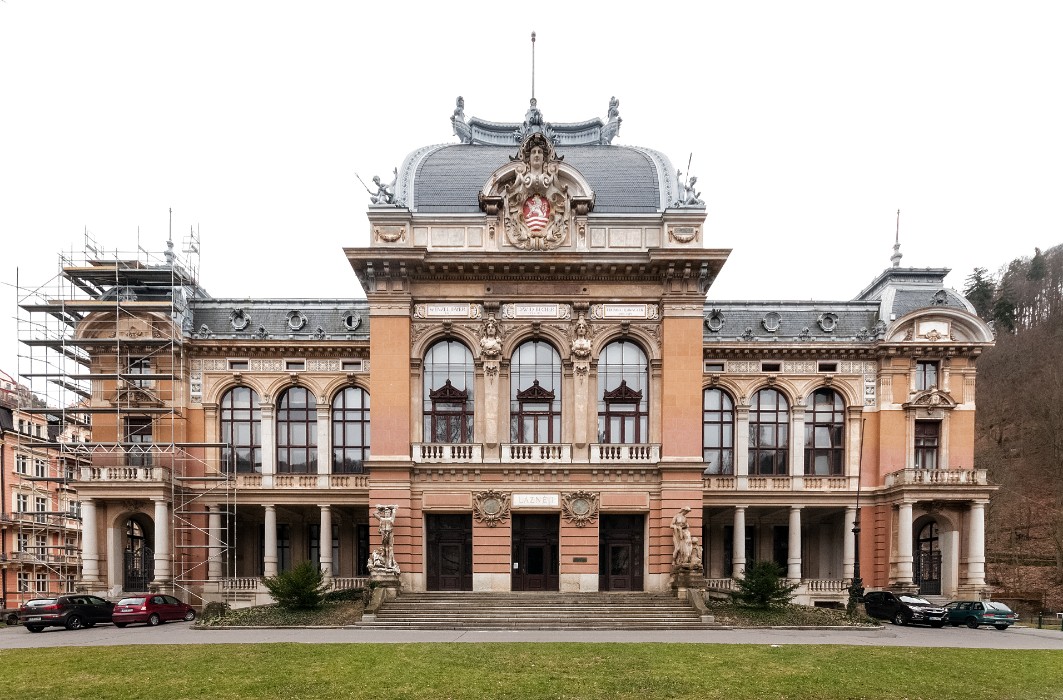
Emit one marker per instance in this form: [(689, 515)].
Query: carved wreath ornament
[(490, 507), (579, 507)]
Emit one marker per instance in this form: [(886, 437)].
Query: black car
[(903, 609), (71, 611)]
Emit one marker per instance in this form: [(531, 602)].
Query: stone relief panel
[(266, 365), (579, 507), (490, 507)]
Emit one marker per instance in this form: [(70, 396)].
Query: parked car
[(151, 608), (71, 611), (980, 612), (903, 609)]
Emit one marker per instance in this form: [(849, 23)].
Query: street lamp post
[(856, 588)]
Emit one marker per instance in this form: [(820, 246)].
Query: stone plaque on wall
[(608, 312), (448, 311), (536, 500), (543, 311)]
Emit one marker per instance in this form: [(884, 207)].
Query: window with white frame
[(22, 503), (926, 375), (22, 542), (40, 507), (42, 583), (927, 443), (40, 468), (23, 582), (22, 463), (40, 546)]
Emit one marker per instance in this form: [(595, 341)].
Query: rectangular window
[(238, 365), (22, 542), (926, 375), (284, 547), (351, 365), (140, 366), (40, 508), (40, 547), (138, 433), (828, 367), (770, 366), (927, 440), (712, 367), (295, 365), (23, 582), (22, 464), (40, 468), (22, 503), (42, 583)]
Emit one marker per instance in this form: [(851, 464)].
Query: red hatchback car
[(151, 608)]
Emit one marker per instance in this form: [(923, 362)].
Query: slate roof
[(447, 178), (792, 321), (280, 319)]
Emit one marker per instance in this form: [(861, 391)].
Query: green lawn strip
[(542, 670)]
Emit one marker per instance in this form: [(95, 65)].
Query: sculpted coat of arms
[(536, 194)]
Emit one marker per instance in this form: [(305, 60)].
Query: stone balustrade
[(825, 585), (720, 584), (603, 453), (127, 474), (447, 453), (303, 481), (717, 482), (937, 477), (537, 453)]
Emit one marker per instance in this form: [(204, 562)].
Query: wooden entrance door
[(449, 544), (620, 553), (535, 553)]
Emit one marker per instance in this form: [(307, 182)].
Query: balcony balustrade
[(604, 453), (302, 481), (937, 477), (447, 453), (536, 453), (125, 474), (729, 482)]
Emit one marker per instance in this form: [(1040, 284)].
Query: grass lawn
[(505, 670)]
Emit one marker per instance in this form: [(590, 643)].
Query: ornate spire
[(896, 257)]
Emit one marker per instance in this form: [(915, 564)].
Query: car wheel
[(899, 619), (1001, 627), (120, 625), (190, 615), (74, 622), (972, 622), (154, 620), (34, 628)]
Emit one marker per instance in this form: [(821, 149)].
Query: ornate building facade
[(552, 387)]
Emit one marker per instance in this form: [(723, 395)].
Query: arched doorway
[(928, 560), (138, 560)]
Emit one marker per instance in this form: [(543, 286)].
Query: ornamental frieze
[(579, 507)]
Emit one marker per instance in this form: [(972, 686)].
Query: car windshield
[(131, 601), (912, 600), (999, 607)]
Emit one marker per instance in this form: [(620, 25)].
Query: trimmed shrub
[(300, 588), (763, 587)]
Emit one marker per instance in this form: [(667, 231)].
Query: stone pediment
[(536, 195), (931, 400)]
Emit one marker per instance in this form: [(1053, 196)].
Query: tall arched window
[(448, 393), (535, 394), (769, 433), (718, 429), (825, 434), (623, 394), (297, 432), (350, 431), (241, 430)]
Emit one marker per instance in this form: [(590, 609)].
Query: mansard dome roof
[(446, 178)]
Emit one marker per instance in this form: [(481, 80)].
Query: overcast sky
[(808, 124)]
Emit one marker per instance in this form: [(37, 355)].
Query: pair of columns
[(90, 546), (216, 542), (975, 545), (793, 545)]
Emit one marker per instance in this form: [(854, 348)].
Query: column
[(269, 558), (324, 443), (848, 543), (797, 444), (976, 545), (90, 548), (738, 544), (269, 444), (325, 543), (741, 447), (163, 530), (214, 543), (904, 543), (793, 546)]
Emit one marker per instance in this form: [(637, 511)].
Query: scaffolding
[(103, 346)]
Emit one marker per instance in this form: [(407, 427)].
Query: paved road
[(889, 635)]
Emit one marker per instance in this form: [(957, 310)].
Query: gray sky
[(809, 123)]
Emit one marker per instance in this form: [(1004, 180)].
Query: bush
[(300, 588), (763, 587), (213, 609)]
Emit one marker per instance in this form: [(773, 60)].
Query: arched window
[(718, 426), (297, 432), (825, 434), (350, 431), (241, 430), (769, 433), (448, 393), (535, 394), (623, 394)]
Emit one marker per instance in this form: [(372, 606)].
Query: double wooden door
[(535, 553)]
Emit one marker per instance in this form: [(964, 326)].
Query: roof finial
[(896, 257), (533, 68)]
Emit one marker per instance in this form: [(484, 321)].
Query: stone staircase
[(537, 611)]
